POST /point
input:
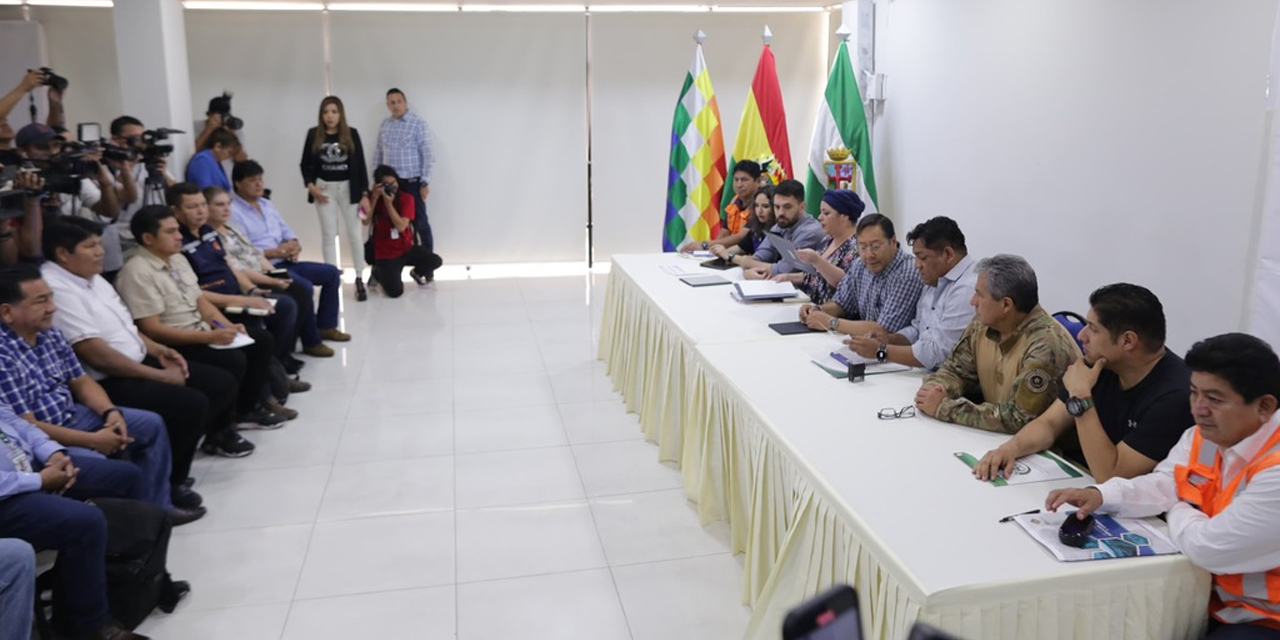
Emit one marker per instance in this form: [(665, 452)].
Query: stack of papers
[(753, 290), (1037, 467), (1111, 538), (837, 364)]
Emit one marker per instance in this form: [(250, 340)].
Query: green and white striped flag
[(841, 125)]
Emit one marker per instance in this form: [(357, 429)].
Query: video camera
[(149, 148), (63, 171), (10, 198), (221, 105)]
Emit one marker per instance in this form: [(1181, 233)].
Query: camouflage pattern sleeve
[(960, 371), (1050, 352)]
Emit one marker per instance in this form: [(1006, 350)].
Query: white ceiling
[(722, 3)]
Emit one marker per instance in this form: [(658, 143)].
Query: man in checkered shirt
[(404, 144), (879, 291)]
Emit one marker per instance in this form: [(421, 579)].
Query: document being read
[(1037, 467), (788, 249), (1111, 537)]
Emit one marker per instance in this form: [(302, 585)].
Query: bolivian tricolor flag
[(762, 133), (695, 179)]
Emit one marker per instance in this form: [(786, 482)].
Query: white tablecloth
[(817, 490)]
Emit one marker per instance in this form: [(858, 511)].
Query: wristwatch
[(882, 354), (834, 323), (1078, 406), (705, 244)]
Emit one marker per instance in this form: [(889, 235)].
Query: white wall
[(638, 64), (1105, 141), (80, 45), (274, 64), (505, 100)]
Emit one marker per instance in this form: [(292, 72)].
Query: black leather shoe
[(184, 498), (172, 594), (112, 630), (188, 483), (361, 294), (179, 516)]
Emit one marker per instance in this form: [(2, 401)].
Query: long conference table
[(817, 490)]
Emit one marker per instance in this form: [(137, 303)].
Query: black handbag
[(137, 552)]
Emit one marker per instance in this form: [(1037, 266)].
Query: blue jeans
[(149, 450), (78, 532), (421, 221), (327, 277), (17, 588)]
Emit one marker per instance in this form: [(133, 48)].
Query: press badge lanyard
[(20, 461)]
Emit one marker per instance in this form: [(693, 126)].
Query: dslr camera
[(54, 80), (221, 105)]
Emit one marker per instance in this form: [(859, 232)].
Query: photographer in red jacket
[(394, 242)]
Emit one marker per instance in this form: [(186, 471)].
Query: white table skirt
[(798, 536)]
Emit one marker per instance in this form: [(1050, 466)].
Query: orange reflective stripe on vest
[(1237, 598)]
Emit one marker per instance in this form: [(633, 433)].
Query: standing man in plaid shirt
[(405, 145)]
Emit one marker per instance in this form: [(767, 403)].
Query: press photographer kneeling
[(394, 241)]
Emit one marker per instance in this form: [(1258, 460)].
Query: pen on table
[(1024, 513)]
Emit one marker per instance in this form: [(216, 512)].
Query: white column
[(155, 85)]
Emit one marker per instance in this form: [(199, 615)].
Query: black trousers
[(205, 405), (248, 365), (388, 270)]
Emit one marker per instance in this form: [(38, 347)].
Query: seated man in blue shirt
[(40, 488), (266, 229), (205, 168), (803, 230), (944, 309), (879, 291), (41, 379)]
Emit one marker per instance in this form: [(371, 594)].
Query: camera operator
[(40, 143), (130, 179), (218, 117), (34, 79), (20, 233)]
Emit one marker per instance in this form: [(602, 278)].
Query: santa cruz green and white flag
[(840, 155)]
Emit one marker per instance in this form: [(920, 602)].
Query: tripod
[(153, 188)]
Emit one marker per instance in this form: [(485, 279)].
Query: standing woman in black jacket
[(334, 172)]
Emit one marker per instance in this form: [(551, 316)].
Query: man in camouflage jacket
[(1012, 353)]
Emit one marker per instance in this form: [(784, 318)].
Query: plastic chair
[(1073, 323)]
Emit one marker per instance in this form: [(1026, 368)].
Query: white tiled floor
[(462, 469)]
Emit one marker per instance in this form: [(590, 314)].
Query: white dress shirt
[(943, 312), (92, 309), (1240, 539)]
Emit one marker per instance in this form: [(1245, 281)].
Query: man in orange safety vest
[(1220, 485)]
